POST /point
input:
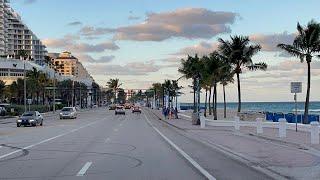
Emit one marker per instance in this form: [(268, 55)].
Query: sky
[(142, 41)]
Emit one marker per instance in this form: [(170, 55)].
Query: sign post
[(296, 87)]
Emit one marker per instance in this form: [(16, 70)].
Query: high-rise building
[(16, 36), (68, 65)]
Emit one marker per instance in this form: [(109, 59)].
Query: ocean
[(284, 107)]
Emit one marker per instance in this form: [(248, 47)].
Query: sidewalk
[(293, 157)]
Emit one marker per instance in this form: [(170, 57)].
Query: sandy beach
[(231, 113)]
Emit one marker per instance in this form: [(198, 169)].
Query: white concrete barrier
[(314, 132), (237, 123), (202, 121), (282, 128), (259, 126)]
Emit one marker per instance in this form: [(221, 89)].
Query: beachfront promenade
[(292, 156)]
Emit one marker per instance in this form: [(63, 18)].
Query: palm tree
[(239, 52), (176, 90), (226, 78), (157, 87), (305, 46), (191, 69), (2, 87), (114, 84)]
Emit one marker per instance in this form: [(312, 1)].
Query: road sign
[(29, 101), (296, 87)]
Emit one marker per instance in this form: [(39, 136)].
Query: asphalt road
[(100, 145)]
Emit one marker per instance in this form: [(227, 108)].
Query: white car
[(120, 110), (68, 113)]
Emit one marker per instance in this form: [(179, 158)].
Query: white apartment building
[(16, 36), (69, 66)]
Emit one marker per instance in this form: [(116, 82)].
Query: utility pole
[(72, 99), (54, 91), (24, 86), (80, 97)]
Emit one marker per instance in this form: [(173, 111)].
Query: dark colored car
[(136, 109), (31, 118)]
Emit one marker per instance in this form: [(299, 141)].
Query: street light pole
[(24, 86), (54, 92)]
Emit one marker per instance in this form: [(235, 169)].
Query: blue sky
[(266, 22)]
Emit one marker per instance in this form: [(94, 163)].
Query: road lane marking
[(184, 154), (107, 140), (84, 169), (46, 140), (116, 130)]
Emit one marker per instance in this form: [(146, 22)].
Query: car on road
[(31, 118), (136, 109), (68, 113), (120, 110), (127, 106)]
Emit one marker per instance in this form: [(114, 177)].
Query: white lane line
[(116, 130), (84, 169), (107, 140), (46, 140), (184, 154)]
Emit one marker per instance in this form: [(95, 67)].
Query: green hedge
[(19, 109)]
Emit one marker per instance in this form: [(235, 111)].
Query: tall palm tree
[(305, 46), (239, 52), (176, 90), (157, 87), (114, 84), (226, 78), (191, 69), (2, 87)]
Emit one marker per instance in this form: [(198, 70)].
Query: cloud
[(84, 58), (269, 42), (75, 23), (133, 17), (202, 48), (92, 31), (190, 23), (137, 68), (69, 42), (29, 1)]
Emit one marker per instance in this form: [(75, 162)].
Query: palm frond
[(258, 66)]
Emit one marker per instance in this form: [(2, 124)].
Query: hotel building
[(16, 36)]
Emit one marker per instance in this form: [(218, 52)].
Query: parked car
[(120, 110), (68, 113), (3, 111), (31, 118), (136, 109)]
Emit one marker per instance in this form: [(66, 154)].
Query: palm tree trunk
[(205, 104), (215, 102), (210, 91), (239, 92), (306, 108), (213, 99), (224, 102), (194, 101)]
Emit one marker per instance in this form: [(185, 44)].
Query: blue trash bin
[(277, 116), (269, 116), (290, 118)]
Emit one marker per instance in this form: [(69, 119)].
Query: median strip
[(84, 169)]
